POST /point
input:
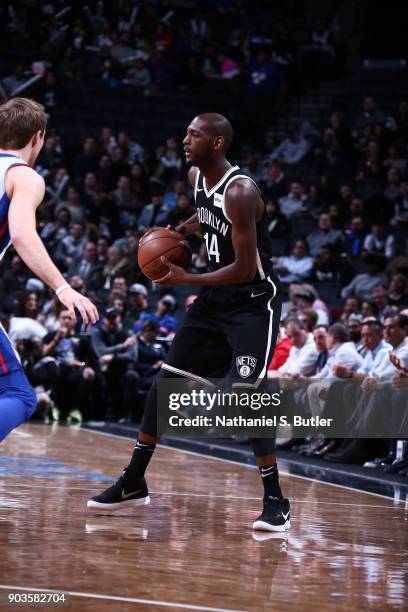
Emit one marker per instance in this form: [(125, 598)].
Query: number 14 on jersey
[(211, 242)]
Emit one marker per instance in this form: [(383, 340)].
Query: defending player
[(22, 129), (232, 325)]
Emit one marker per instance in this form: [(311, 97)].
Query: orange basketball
[(158, 243)]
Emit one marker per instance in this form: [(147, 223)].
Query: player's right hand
[(72, 299)]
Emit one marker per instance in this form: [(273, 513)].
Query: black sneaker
[(123, 494), (275, 515)]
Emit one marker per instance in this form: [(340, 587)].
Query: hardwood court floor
[(193, 547)]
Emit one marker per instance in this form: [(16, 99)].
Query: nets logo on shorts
[(246, 365)]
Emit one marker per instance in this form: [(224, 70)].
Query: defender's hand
[(72, 299), (175, 276)]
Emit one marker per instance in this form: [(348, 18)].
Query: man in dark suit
[(87, 267)]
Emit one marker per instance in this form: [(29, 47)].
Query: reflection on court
[(193, 547)]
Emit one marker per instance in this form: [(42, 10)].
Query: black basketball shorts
[(229, 332)]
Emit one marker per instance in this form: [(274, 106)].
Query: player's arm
[(241, 202), (25, 189)]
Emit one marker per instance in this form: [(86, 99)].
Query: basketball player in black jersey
[(232, 326)]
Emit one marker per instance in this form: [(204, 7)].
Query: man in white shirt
[(294, 202), (302, 356), (377, 348), (295, 268), (341, 351)]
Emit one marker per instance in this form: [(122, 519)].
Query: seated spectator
[(330, 266), (398, 291), (138, 75), (375, 350), (324, 235), (163, 316), (297, 267), (116, 350), (75, 379), (310, 317), (183, 211), (354, 326), (292, 149), (278, 225), (352, 306), (392, 190), (28, 305), (281, 352), (363, 284), (86, 160), (116, 265), (320, 339), (306, 299), (302, 355), (379, 242), (379, 298), (354, 237), (401, 206), (173, 192), (293, 203), (153, 214), (370, 115), (72, 246), (14, 277), (88, 267), (200, 263), (132, 151), (275, 185), (395, 159), (126, 202)]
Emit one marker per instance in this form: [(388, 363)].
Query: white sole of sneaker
[(127, 504), (263, 526)]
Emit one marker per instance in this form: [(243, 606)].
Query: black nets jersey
[(216, 226)]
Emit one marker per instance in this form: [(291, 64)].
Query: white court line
[(293, 500), (158, 602), (322, 482)]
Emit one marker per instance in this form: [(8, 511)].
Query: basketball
[(158, 243)]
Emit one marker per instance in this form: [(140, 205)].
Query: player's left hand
[(176, 275)]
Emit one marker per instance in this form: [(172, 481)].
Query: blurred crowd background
[(322, 131)]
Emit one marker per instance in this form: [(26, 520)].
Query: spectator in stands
[(369, 116), (354, 326), (395, 159), (330, 266), (392, 190), (87, 160), (306, 299), (278, 225), (309, 317), (379, 242), (87, 267), (138, 75), (281, 352), (275, 185), (401, 206), (292, 149), (302, 355), (75, 379), (297, 267), (116, 265), (325, 234), (363, 284), (72, 246), (320, 339), (126, 202), (352, 306), (163, 316), (153, 214), (116, 350), (13, 278), (183, 211), (294, 202), (354, 237), (398, 291)]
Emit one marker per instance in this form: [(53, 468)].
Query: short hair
[(301, 324), (374, 323), (150, 325), (20, 119), (339, 332)]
